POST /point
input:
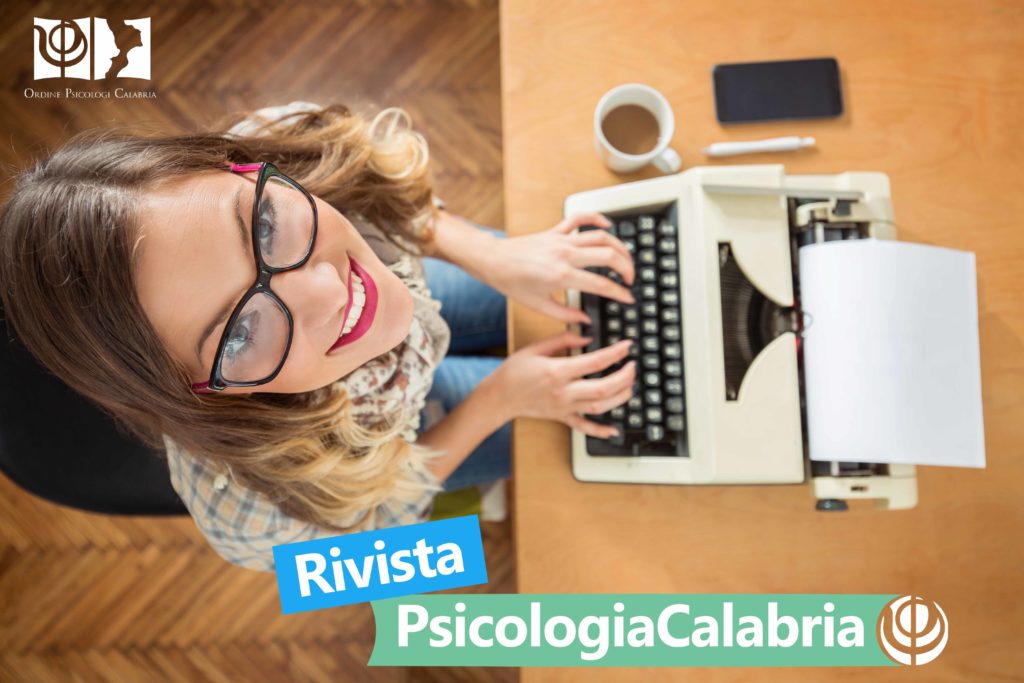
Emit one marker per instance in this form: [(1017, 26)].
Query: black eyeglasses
[(258, 334)]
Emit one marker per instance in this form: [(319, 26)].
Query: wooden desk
[(934, 96)]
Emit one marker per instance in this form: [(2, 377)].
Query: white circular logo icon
[(912, 630)]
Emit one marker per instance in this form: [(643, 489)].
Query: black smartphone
[(768, 91)]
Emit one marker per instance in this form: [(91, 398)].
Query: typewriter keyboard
[(653, 422)]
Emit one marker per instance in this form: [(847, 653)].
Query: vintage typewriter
[(717, 321)]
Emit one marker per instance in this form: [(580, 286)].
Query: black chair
[(59, 446)]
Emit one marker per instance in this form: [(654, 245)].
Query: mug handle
[(668, 161)]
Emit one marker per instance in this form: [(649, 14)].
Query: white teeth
[(358, 303)]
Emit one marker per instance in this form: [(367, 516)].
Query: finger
[(595, 361), (558, 342), (593, 283), (603, 256), (602, 406), (598, 238), (559, 311), (601, 388), (589, 427), (574, 221)]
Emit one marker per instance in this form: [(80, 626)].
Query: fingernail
[(587, 319)]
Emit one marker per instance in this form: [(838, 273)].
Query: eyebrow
[(226, 311)]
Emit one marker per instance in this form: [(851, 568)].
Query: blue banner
[(384, 563)]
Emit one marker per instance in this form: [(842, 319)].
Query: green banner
[(630, 630)]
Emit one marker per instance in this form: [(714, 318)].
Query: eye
[(242, 335), (265, 228)]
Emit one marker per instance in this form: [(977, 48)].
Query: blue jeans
[(475, 313)]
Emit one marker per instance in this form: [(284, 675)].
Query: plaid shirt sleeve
[(243, 526)]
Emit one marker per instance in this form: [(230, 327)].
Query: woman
[(254, 302)]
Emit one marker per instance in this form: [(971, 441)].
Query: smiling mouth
[(361, 307)]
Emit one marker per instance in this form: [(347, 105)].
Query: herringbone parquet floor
[(86, 597)]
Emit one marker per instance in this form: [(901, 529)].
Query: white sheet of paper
[(891, 358)]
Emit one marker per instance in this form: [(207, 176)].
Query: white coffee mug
[(662, 156)]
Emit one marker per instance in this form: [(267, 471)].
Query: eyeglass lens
[(258, 340), (284, 223)]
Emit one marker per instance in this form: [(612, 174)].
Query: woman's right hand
[(536, 383)]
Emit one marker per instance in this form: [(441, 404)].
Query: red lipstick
[(369, 307)]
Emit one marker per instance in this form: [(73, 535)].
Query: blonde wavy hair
[(67, 233)]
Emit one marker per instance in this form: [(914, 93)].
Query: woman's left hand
[(530, 268)]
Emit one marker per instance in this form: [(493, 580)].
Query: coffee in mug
[(633, 124), (631, 129)]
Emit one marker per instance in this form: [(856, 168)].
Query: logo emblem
[(91, 48), (912, 630)]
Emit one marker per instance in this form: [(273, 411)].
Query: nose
[(315, 294)]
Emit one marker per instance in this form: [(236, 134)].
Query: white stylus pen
[(786, 144)]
